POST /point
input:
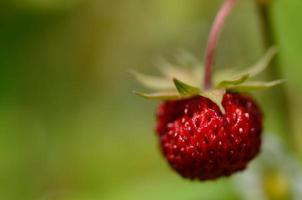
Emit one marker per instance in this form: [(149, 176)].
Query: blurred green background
[(70, 127)]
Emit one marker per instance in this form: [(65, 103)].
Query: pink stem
[(223, 13)]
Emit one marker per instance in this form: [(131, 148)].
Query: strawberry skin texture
[(200, 142)]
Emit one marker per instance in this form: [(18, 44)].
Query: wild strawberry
[(213, 133), (215, 130), (200, 142)]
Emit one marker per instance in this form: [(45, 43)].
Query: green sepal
[(185, 89), (159, 95), (255, 86), (191, 75), (263, 63), (235, 81), (242, 77), (152, 82), (216, 96)]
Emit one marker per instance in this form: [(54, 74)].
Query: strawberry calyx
[(178, 82)]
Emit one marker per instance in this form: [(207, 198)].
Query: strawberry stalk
[(220, 19)]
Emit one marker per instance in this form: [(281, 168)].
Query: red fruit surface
[(200, 142)]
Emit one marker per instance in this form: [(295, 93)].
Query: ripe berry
[(200, 142)]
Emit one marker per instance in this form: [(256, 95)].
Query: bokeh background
[(70, 128)]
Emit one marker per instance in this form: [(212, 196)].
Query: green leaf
[(159, 95), (263, 63), (235, 81), (185, 89), (216, 96), (152, 82), (255, 86)]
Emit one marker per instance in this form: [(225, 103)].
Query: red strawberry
[(209, 131), (200, 142)]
